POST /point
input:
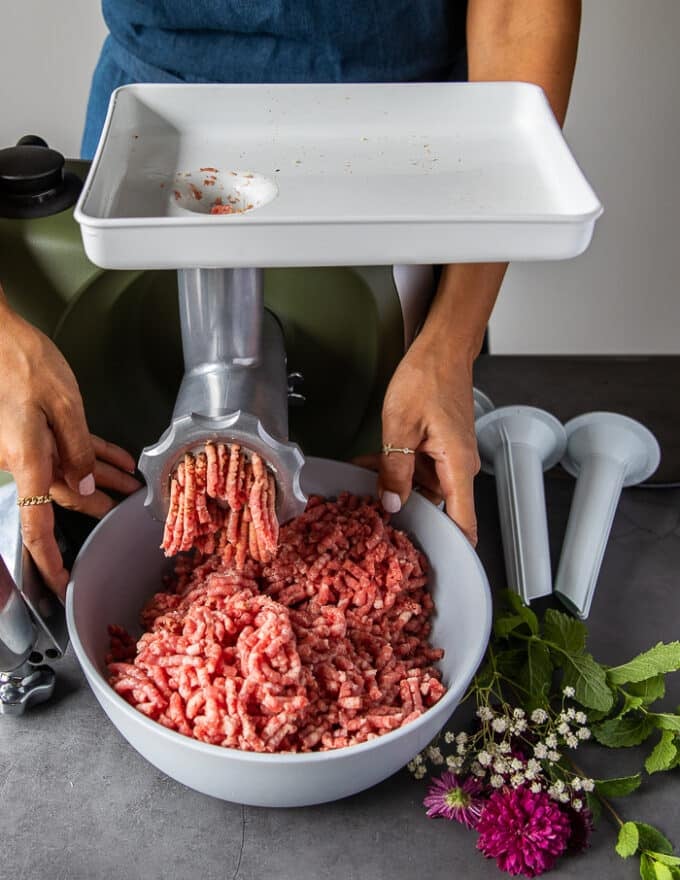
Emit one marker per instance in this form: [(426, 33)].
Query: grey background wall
[(623, 126)]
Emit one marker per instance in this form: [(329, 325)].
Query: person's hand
[(46, 445), (429, 408)]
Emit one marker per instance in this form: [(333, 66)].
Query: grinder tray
[(363, 174)]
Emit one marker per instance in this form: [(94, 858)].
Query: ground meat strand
[(322, 646), (217, 498)]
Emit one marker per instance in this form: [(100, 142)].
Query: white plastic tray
[(343, 175)]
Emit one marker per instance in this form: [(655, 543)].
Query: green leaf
[(619, 787), (666, 721), (665, 859), (629, 703), (650, 689), (527, 615), (627, 842), (564, 631), (594, 806), (503, 626), (588, 680), (510, 663), (661, 871), (663, 754), (647, 871), (660, 659), (652, 839), (623, 732), (536, 675)]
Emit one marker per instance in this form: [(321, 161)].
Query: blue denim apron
[(174, 41)]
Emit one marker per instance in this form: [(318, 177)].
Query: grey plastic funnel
[(483, 403), (605, 451), (516, 444)]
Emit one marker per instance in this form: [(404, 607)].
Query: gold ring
[(405, 450), (32, 500)]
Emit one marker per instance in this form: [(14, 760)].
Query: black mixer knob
[(33, 182)]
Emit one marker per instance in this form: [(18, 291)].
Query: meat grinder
[(343, 180)]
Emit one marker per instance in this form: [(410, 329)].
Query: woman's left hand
[(429, 408)]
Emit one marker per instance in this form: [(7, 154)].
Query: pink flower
[(524, 831), (581, 828), (453, 798)]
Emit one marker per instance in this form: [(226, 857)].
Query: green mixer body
[(119, 330)]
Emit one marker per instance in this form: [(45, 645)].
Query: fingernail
[(391, 502), (86, 485)]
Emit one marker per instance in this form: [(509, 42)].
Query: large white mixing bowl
[(118, 569)]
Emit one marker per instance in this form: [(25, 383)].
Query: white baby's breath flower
[(583, 733), (420, 772), (484, 758), (516, 764), (539, 716), (535, 787), (577, 804), (571, 741), (454, 763), (500, 766), (551, 740), (519, 726), (518, 713), (418, 758), (541, 750), (581, 718), (563, 728), (576, 783), (504, 748), (517, 779), (435, 755), (461, 749), (568, 691), (449, 737), (554, 756), (484, 713), (563, 798), (461, 738), (588, 784), (496, 781), (533, 768), (571, 713), (499, 725)]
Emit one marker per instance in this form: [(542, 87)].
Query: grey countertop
[(78, 802)]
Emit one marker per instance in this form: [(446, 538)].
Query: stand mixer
[(361, 175)]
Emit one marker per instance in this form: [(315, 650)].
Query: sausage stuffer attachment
[(516, 444), (235, 385), (605, 452)]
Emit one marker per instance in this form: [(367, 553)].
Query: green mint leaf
[(503, 626), (564, 631), (661, 871), (647, 871), (509, 663), (650, 689), (666, 721), (665, 859), (623, 732), (629, 704), (527, 615), (536, 675), (660, 659), (650, 838), (663, 754), (588, 680), (627, 842), (619, 787)]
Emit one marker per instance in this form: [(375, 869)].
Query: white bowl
[(119, 567)]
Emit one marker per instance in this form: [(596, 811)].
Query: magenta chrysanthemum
[(524, 831), (455, 798)]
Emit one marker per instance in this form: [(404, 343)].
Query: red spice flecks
[(324, 646), (178, 194), (223, 209), (208, 168), (195, 192), (209, 181)]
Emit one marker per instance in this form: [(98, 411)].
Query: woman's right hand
[(45, 442)]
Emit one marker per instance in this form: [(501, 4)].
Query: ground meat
[(217, 498), (322, 646)]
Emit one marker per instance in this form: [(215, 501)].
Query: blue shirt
[(274, 41)]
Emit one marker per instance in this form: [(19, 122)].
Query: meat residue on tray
[(321, 644)]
